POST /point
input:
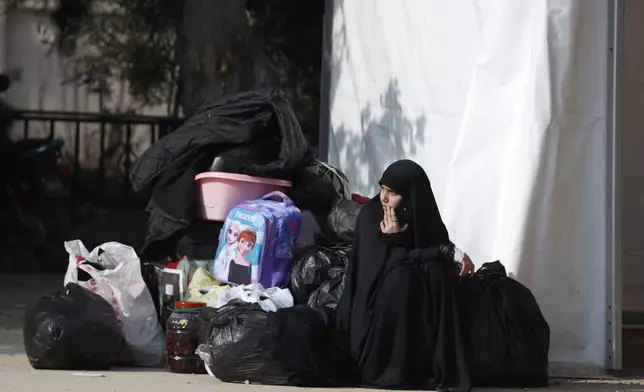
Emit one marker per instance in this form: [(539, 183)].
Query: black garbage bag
[(289, 347), (74, 330), (508, 336), (317, 277), (341, 222), (318, 186), (168, 168)]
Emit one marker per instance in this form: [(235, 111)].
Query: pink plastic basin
[(219, 192)]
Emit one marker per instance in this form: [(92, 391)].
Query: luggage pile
[(247, 246), (236, 197)]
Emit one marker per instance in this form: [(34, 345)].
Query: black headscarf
[(368, 283), (409, 180)]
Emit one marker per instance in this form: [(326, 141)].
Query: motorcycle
[(37, 192)]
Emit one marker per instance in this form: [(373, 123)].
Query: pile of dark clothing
[(254, 133)]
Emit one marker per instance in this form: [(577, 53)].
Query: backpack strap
[(279, 197)]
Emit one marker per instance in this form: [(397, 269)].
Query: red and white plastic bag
[(121, 284)]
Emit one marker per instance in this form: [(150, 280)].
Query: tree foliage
[(292, 35), (131, 41), (143, 42)]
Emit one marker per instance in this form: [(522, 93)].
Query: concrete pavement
[(19, 292)]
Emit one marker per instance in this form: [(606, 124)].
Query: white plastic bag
[(122, 285), (269, 300)]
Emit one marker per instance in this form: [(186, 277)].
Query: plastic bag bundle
[(342, 220), (287, 347), (508, 336), (113, 271), (268, 300), (317, 278), (73, 330), (332, 176), (235, 337), (318, 186)]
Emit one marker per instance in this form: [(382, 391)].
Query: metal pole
[(613, 186), (153, 134), (101, 158), (128, 164), (324, 132), (77, 153)]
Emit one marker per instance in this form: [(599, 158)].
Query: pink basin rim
[(243, 177)]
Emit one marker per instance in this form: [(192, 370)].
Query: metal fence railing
[(41, 124)]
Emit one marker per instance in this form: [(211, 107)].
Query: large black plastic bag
[(74, 330), (288, 347), (342, 220), (508, 336), (318, 186), (317, 277)]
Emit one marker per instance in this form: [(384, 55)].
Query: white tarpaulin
[(503, 102)]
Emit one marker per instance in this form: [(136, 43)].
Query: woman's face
[(388, 197), (231, 235), (245, 246)]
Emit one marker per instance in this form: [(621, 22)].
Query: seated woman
[(398, 314)]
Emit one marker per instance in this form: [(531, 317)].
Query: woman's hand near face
[(389, 223), (467, 266)]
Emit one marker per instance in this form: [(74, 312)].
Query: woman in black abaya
[(398, 314)]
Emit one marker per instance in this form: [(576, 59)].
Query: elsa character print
[(228, 252), (241, 271)]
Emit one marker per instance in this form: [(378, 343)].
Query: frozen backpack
[(257, 241)]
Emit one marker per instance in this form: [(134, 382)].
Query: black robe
[(399, 313)]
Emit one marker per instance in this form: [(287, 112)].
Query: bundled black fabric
[(200, 240), (288, 347), (317, 277), (73, 330), (508, 336), (341, 222), (229, 325), (237, 157), (318, 186), (263, 117)]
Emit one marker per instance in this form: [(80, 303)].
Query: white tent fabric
[(503, 102)]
